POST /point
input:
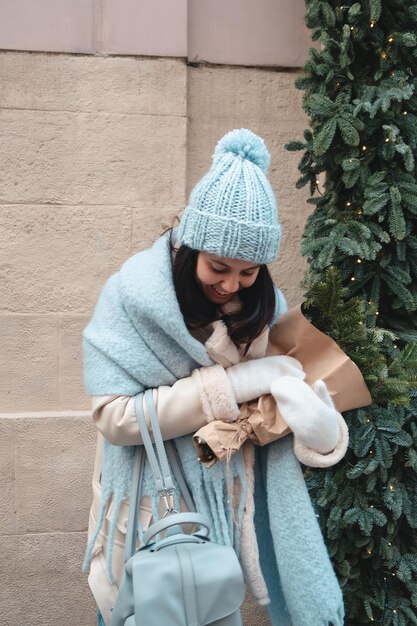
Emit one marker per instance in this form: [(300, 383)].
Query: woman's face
[(220, 278)]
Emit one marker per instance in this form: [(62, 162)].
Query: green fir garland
[(359, 160)]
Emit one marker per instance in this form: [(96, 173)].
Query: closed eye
[(222, 270)]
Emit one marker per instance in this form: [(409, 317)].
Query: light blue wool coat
[(137, 339)]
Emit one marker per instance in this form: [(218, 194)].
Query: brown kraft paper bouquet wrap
[(260, 420)]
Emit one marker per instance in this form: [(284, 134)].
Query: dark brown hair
[(258, 300)]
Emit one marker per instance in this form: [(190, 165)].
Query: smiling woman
[(220, 277), (189, 319), (205, 283)]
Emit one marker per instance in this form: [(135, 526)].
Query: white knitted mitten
[(252, 379), (308, 411)]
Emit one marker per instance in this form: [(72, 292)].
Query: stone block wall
[(97, 155)]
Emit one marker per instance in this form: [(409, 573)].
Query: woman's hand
[(309, 412), (253, 378)]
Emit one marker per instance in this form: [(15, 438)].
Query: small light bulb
[(391, 39), (391, 488), (372, 23), (377, 313), (405, 112), (364, 148), (353, 278), (348, 203), (387, 139), (384, 55), (358, 260), (351, 28)]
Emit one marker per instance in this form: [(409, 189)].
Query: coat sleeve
[(182, 409)]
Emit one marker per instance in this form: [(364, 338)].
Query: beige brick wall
[(97, 154)]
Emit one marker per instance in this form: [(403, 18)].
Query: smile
[(220, 292)]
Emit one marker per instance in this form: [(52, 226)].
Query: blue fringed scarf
[(137, 339)]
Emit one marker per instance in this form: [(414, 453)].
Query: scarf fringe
[(92, 541), (210, 493), (117, 501), (117, 484)]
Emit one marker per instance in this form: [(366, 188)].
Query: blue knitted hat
[(232, 210)]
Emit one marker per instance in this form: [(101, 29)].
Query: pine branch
[(360, 93)]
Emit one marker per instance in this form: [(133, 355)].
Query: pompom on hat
[(232, 210)]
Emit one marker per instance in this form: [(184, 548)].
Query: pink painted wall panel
[(49, 25), (237, 32), (248, 32), (145, 27)]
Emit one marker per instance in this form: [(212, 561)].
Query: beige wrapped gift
[(259, 420)]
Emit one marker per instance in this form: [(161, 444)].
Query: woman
[(189, 318)]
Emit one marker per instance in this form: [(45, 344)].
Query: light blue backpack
[(181, 579)]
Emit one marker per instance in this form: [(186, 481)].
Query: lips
[(221, 293)]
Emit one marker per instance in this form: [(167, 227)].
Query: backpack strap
[(174, 520), (160, 467)]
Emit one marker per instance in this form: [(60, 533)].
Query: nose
[(230, 283)]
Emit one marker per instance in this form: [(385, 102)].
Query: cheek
[(203, 274), (248, 281)]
